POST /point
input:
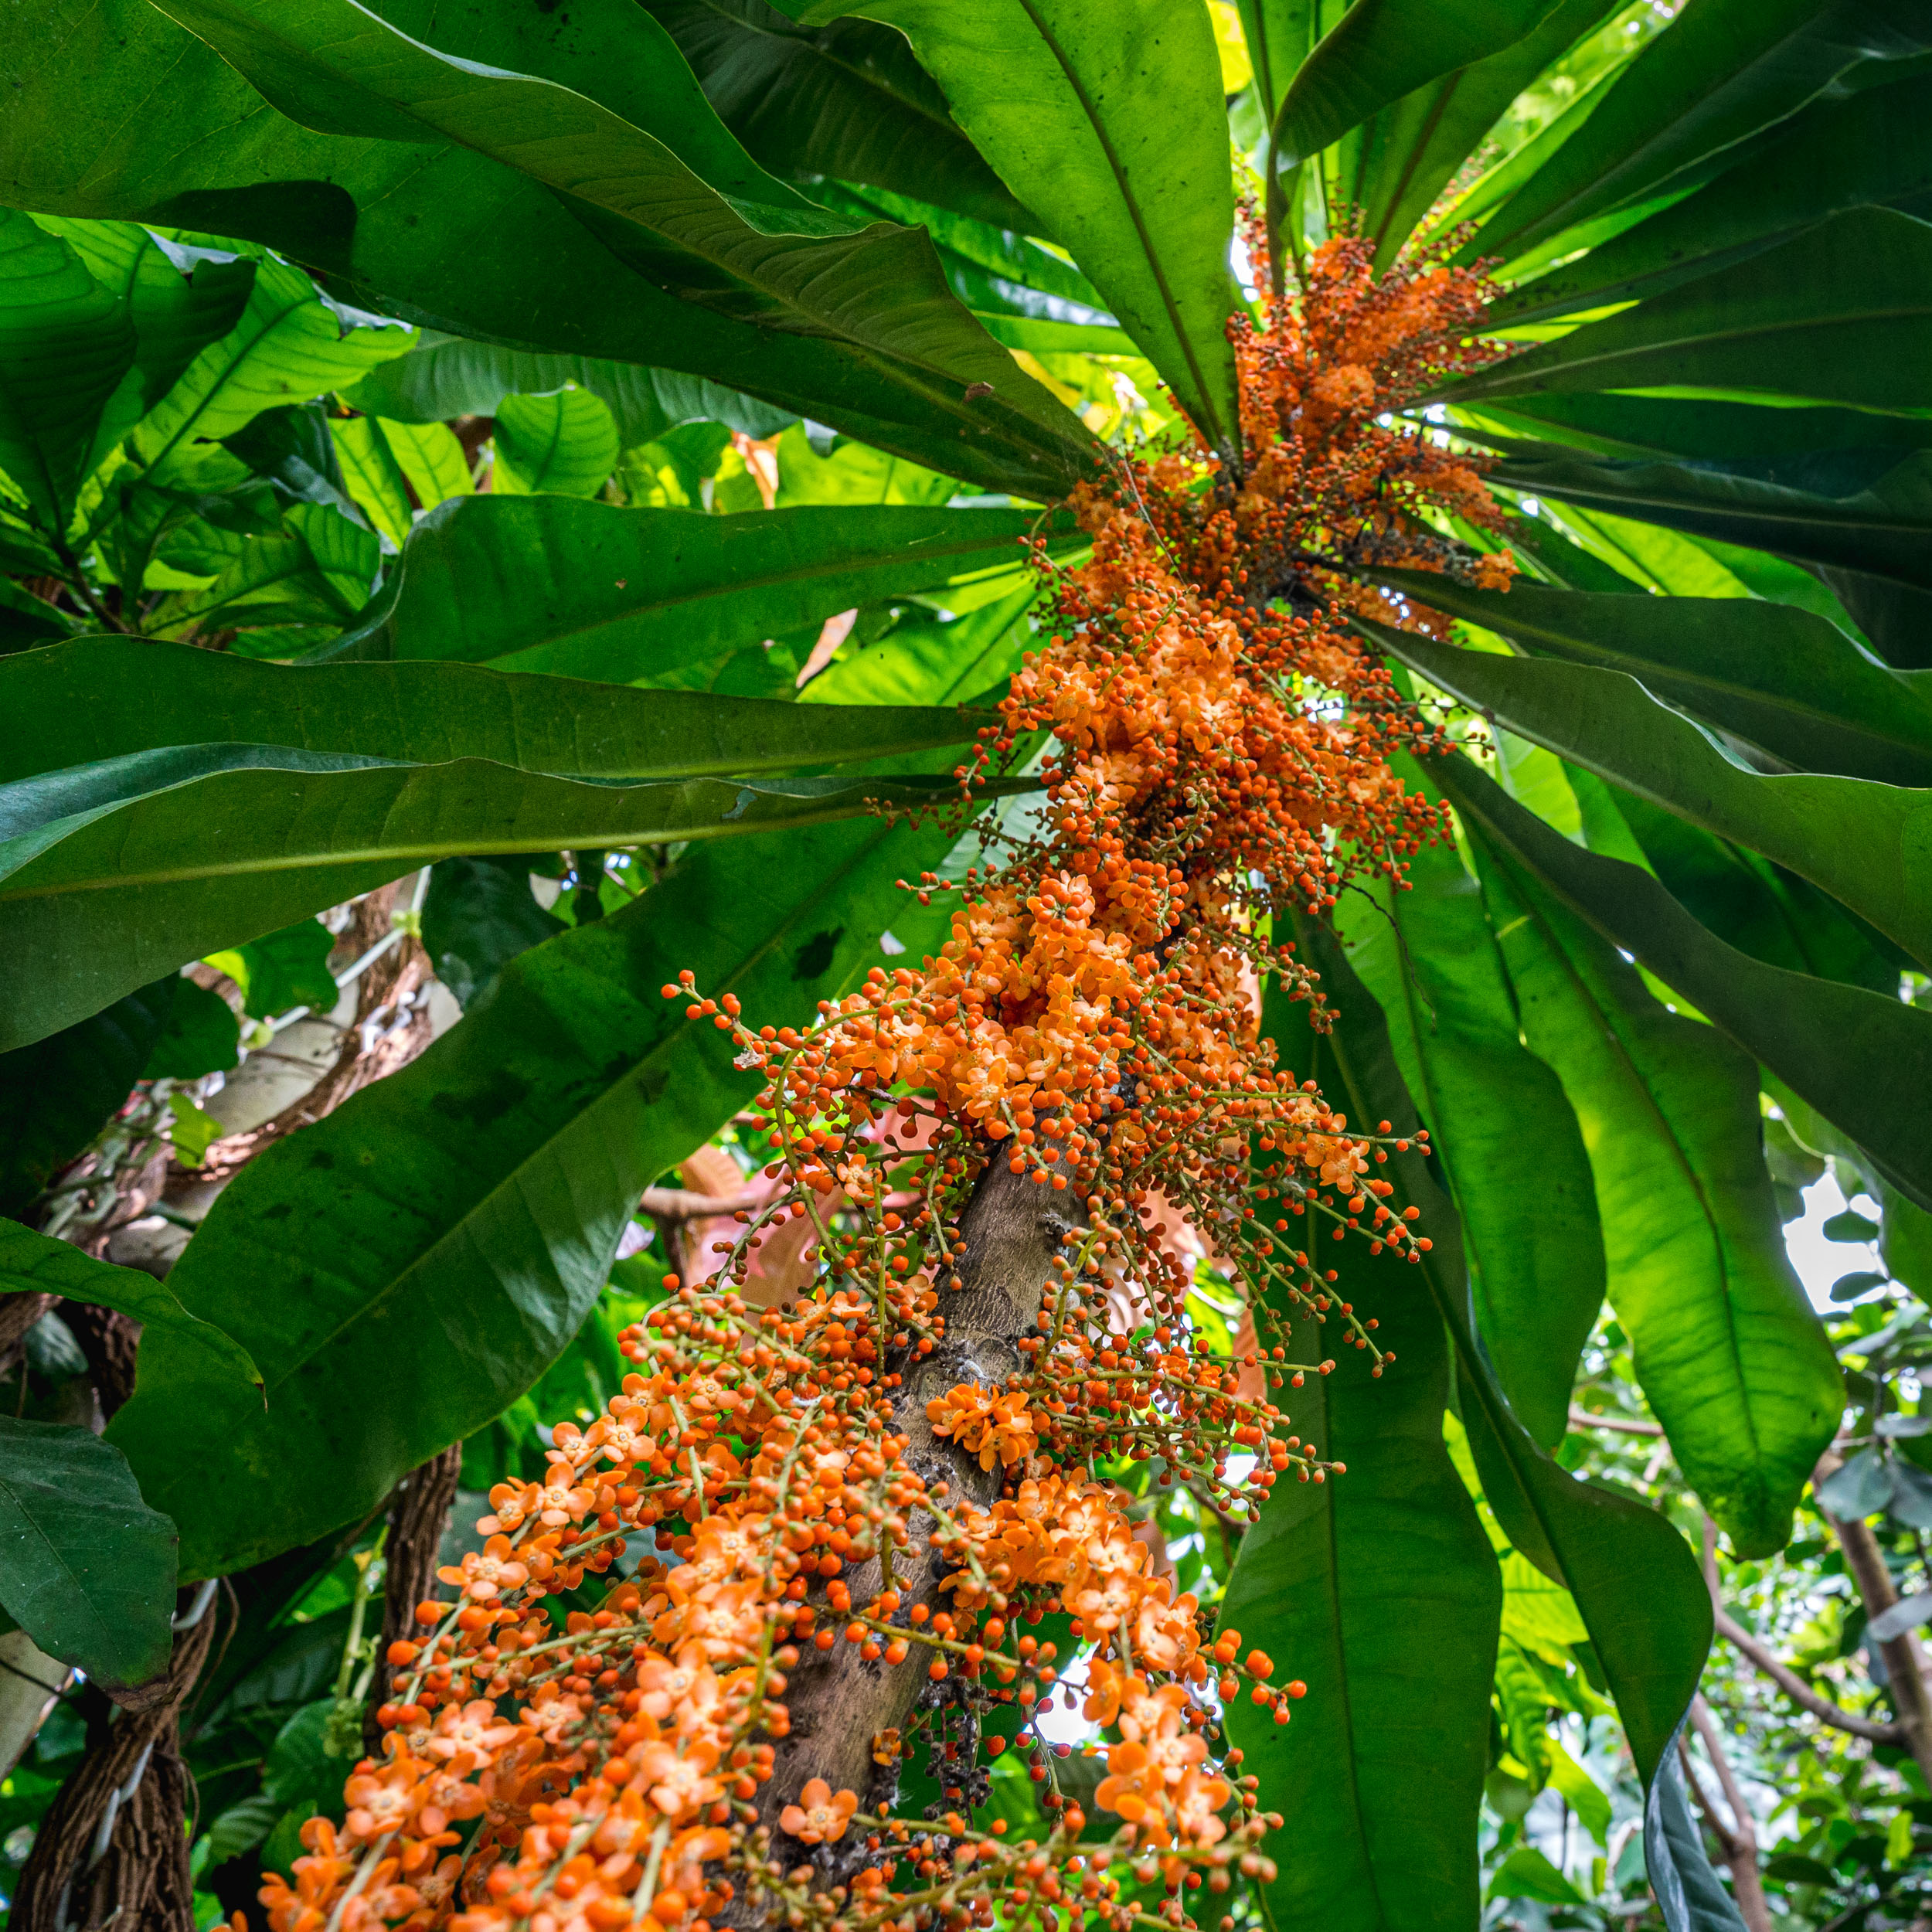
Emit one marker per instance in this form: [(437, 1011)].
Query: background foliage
[(570, 462)]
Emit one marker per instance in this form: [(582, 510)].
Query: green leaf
[(1727, 1350), (564, 443), (375, 214), (847, 100), (753, 249), (87, 1568), (1689, 1893), (1875, 147), (1400, 160), (32, 1263), (375, 478), (1387, 1748), (1712, 78), (289, 344), (1780, 677), (65, 344), (1107, 115), (478, 915), (1634, 1582), (1841, 314), (1383, 50), (316, 569), (444, 377), (202, 1037), (485, 1186), (170, 855), (1859, 841), (1536, 1255), (1540, 1615), (852, 473), (192, 1131), (1525, 1873), (90, 700), (1846, 1050), (429, 455), (58, 1093), (283, 969), (587, 590), (1869, 535)]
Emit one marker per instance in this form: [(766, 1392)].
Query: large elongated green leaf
[(1716, 75), (1729, 1353), (1865, 843), (91, 699), (847, 100), (87, 1568), (469, 243), (132, 867), (1855, 1055), (1383, 50), (65, 344), (1341, 1581), (1535, 1254), (1107, 115), (37, 1264), (758, 252), (1634, 1582), (1874, 147), (1396, 165), (444, 377), (589, 590), (1780, 677), (1841, 314)]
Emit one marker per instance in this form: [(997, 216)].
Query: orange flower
[(821, 1816)]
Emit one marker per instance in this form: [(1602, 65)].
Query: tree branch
[(1581, 1419), (1795, 1688)]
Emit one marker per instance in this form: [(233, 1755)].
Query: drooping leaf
[(1633, 1581), (1875, 147), (170, 855), (87, 1568), (1341, 1575), (1108, 115), (1536, 1256), (485, 1185), (587, 590), (374, 477), (1850, 1052), (93, 700), (564, 444), (752, 249), (1399, 162), (1727, 1350), (1838, 314), (65, 344), (375, 214), (1785, 680), (37, 1264), (444, 377), (847, 100), (1713, 78), (431, 458), (57, 1093), (1689, 1893), (1854, 838), (1383, 50), (316, 569)]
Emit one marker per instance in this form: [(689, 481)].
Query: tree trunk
[(113, 1847), (838, 1704), (418, 1515), (1904, 1656)]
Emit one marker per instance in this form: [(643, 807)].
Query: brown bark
[(134, 1872), (403, 969), (1903, 1656), (1737, 1838), (108, 1339), (419, 1514), (1011, 1230), (18, 1314)]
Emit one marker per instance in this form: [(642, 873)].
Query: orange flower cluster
[(1220, 758)]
